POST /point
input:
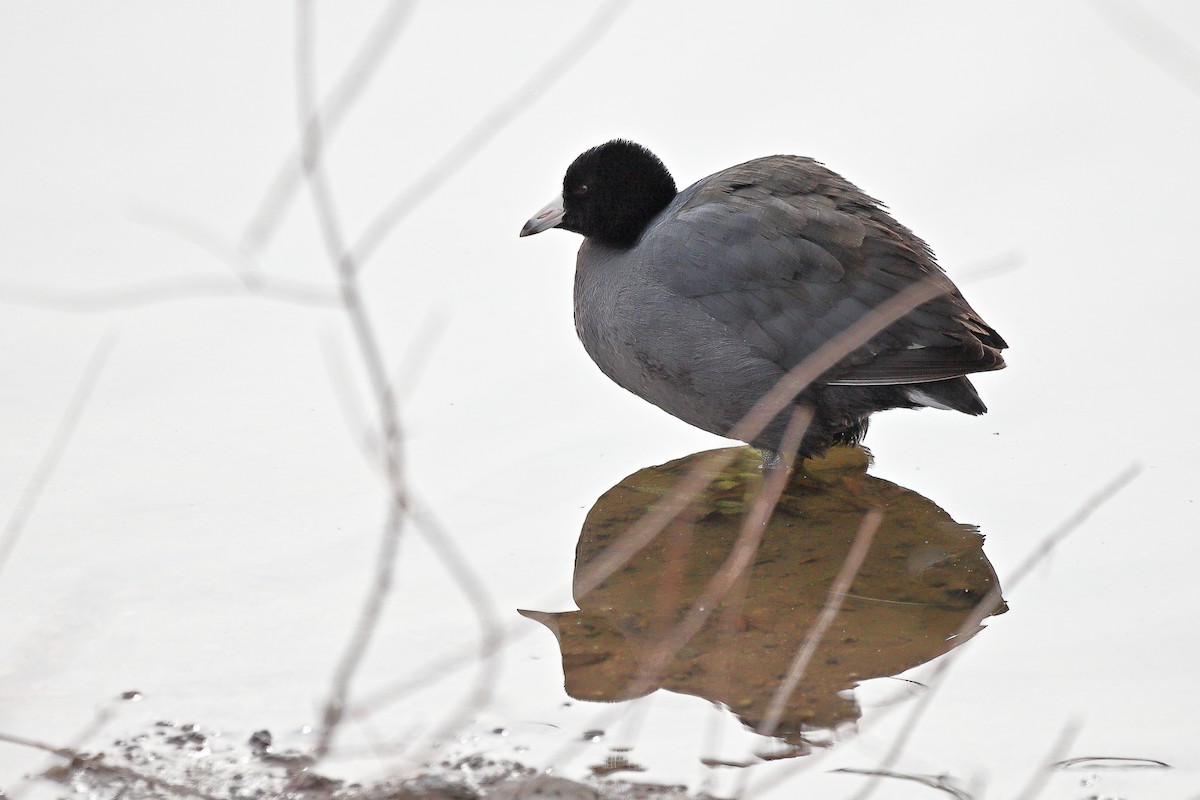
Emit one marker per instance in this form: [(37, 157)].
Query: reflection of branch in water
[(940, 782), (19, 515)]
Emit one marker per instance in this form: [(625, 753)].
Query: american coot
[(699, 301)]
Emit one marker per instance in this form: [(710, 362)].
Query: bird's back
[(787, 254)]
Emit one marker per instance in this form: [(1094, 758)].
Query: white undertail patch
[(920, 398)]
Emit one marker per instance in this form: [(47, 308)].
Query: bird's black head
[(611, 192)]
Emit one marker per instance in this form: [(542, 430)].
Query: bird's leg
[(771, 460)]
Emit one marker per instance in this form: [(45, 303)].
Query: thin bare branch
[(418, 354), (988, 605), (35, 744), (700, 474), (243, 266), (641, 533), (345, 93), (985, 608), (168, 290), (97, 765), (829, 354), (1066, 737), (355, 310), (51, 458), (765, 410), (353, 414), (1155, 40), (741, 556), (197, 234), (1066, 528), (829, 611), (368, 622), (103, 716), (718, 587), (491, 629), (487, 128), (335, 244), (400, 502)]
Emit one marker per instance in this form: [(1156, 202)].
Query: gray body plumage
[(746, 273)]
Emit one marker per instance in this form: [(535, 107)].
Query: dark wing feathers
[(788, 254)]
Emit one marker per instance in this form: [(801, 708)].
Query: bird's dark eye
[(580, 190)]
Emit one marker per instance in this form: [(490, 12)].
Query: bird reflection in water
[(920, 582)]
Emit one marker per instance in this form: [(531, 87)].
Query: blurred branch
[(982, 611), (771, 404), (829, 611), (51, 458), (419, 353), (34, 744), (349, 87), (741, 557), (642, 532), (103, 716), (730, 574), (242, 265), (404, 379), (368, 345), (492, 633), (834, 350), (374, 363), (488, 127), (1066, 738), (193, 232), (702, 473), (249, 282), (348, 401), (1154, 39), (148, 293), (78, 760), (992, 599)]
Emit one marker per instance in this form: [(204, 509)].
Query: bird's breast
[(663, 347)]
